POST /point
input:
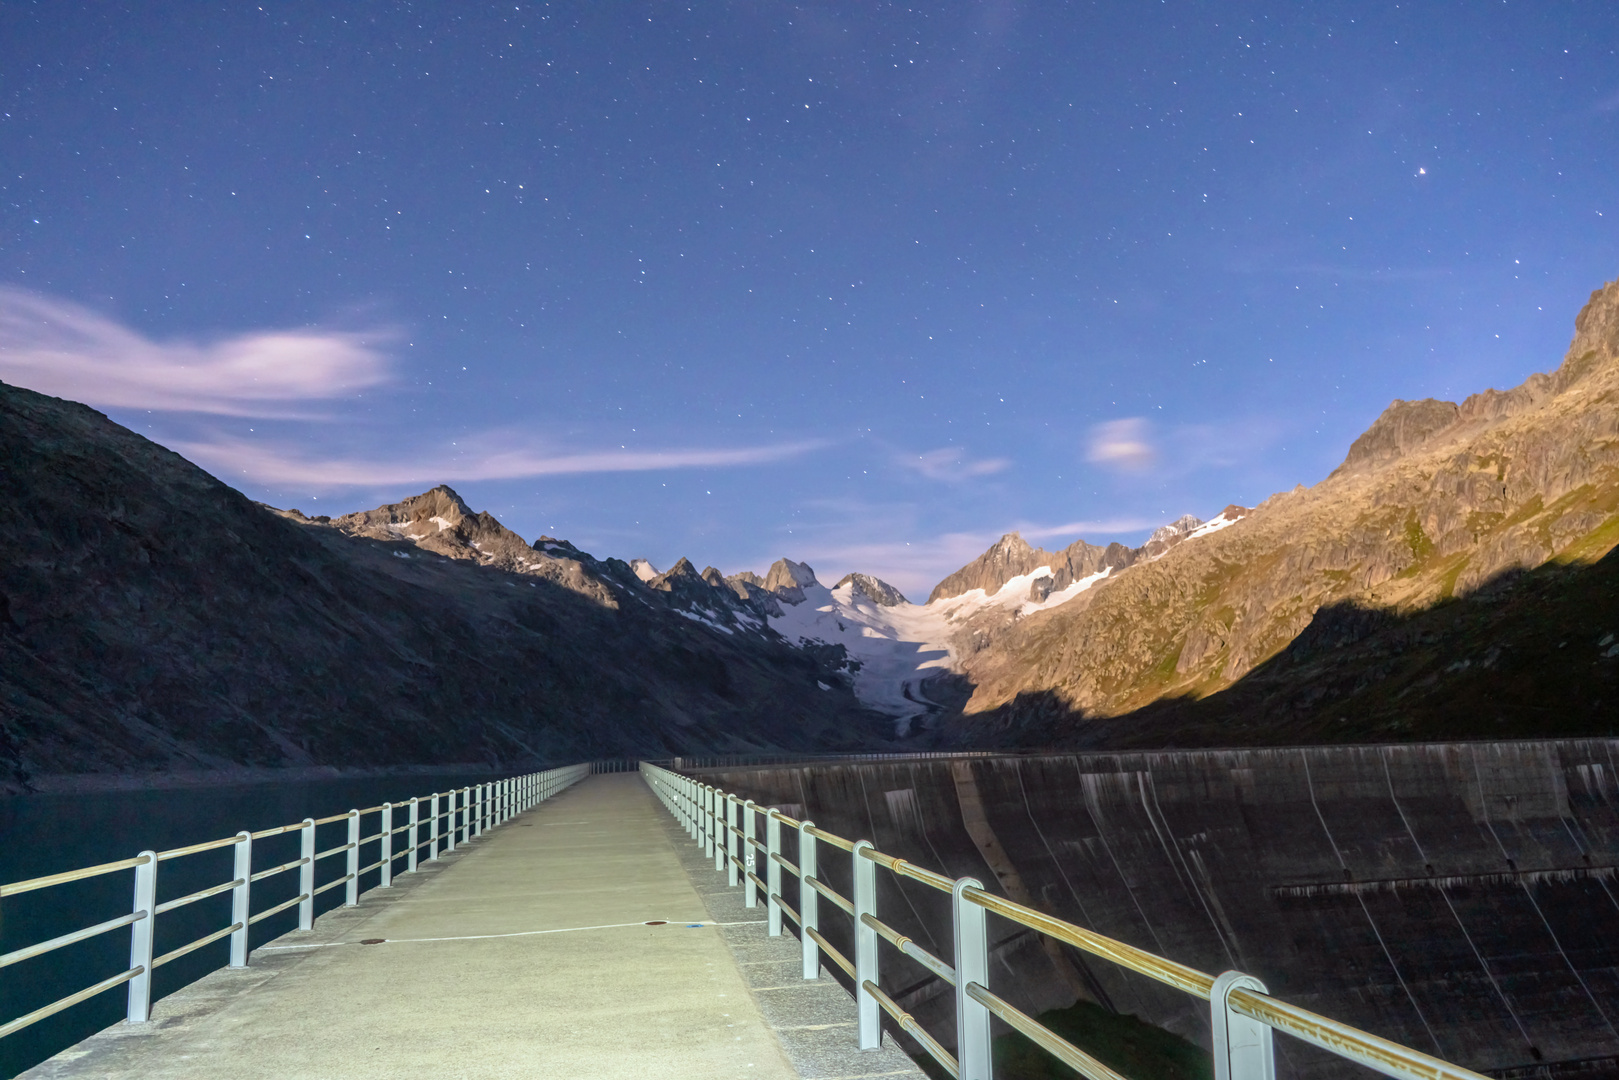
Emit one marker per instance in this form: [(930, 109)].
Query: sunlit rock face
[(1436, 502)]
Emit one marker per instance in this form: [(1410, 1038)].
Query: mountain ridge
[(1435, 500)]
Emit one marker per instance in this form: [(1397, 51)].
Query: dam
[(1457, 898), (1438, 912)]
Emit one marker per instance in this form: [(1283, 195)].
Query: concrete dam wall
[(1459, 898)]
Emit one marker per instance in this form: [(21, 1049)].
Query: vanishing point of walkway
[(527, 954)]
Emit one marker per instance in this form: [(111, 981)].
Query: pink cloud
[(482, 460), (60, 348)]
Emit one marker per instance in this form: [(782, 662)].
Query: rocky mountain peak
[(1596, 327), (1403, 427), (1182, 525), (440, 521), (876, 590), (1007, 558), (1406, 427), (681, 572), (788, 580)]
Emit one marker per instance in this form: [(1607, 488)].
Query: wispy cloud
[(273, 464), (60, 348), (951, 464), (1121, 444)]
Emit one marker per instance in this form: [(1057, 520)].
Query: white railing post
[(435, 823), (141, 934), (449, 820), (700, 808), (241, 899), (1242, 1046), (865, 947), (750, 892), (351, 894), (415, 822), (730, 840), (972, 966), (717, 828), (306, 875), (479, 813), (387, 853), (809, 907), (772, 873)]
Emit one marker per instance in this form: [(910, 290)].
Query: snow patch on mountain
[(898, 645)]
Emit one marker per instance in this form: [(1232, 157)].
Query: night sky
[(860, 284)]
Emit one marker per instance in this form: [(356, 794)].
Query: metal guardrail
[(1242, 1013), (452, 817)]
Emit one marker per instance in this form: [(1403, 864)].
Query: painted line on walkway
[(520, 933)]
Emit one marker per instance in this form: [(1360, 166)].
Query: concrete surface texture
[(815, 1019), (525, 954)]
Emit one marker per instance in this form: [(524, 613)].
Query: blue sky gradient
[(864, 285)]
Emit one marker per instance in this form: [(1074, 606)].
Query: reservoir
[(51, 832)]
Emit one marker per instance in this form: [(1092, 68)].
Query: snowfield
[(900, 645)]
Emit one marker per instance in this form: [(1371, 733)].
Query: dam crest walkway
[(575, 939)]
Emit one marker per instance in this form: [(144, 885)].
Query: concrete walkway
[(525, 954)]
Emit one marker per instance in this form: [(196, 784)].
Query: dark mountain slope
[(153, 618)]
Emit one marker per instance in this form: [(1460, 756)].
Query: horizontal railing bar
[(278, 909), (759, 881), (367, 869), (329, 820), (201, 894), (831, 894), (832, 838), (787, 909), (175, 954), (908, 1022), (910, 948), (831, 951), (368, 839), (908, 869), (331, 884), (791, 823), (277, 831), (372, 809), (1053, 1044), (777, 858), (273, 871), (192, 849), (1389, 1058), (333, 851), (69, 875), (19, 955), (1139, 960), (754, 841), (403, 828), (68, 1002)]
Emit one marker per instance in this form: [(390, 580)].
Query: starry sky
[(858, 283)]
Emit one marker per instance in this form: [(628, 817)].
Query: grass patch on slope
[(1139, 1050)]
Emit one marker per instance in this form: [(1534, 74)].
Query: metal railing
[(451, 818), (1242, 1013)]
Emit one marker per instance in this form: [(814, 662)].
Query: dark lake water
[(49, 833)]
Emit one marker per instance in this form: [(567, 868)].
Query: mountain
[(153, 618), (1446, 523)]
